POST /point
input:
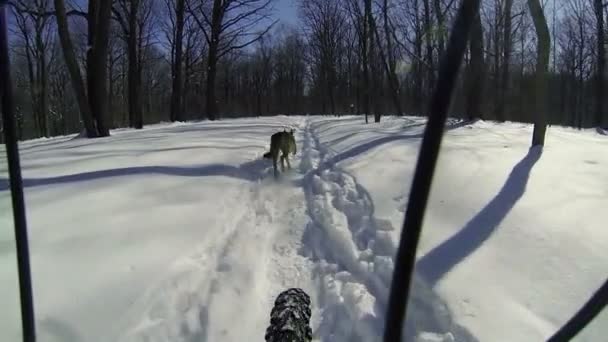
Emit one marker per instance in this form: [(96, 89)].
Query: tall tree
[(598, 7), (133, 16), (507, 45), (390, 61), (34, 27), (99, 15), (387, 59), (542, 68), (228, 25), (178, 7), (324, 21), (476, 69), (362, 19), (71, 62)]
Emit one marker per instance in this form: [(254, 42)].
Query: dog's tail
[(268, 155)]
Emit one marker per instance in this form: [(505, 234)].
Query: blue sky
[(287, 11)]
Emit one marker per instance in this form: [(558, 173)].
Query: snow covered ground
[(179, 233)]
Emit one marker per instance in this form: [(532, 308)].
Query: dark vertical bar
[(425, 168), (16, 184), (586, 314)]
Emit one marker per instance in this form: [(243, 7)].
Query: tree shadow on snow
[(439, 261), (250, 171), (362, 148), (53, 329)]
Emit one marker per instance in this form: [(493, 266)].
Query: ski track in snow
[(353, 253), (256, 251), (339, 253)]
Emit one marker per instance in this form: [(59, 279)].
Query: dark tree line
[(134, 62)]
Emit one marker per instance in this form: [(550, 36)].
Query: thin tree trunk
[(497, 53), (366, 47), (476, 71), (417, 67), (429, 47), (176, 94), (134, 75), (601, 63), (42, 83), (111, 91), (216, 23), (387, 64), (440, 25), (33, 84), (74, 70), (506, 50)]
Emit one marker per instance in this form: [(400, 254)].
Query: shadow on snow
[(439, 261)]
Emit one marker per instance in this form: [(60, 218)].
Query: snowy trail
[(253, 259), (354, 255), (188, 248)]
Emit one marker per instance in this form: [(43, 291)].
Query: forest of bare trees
[(90, 66)]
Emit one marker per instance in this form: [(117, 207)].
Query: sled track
[(353, 253), (178, 307)]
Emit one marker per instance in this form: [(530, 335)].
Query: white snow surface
[(178, 232)]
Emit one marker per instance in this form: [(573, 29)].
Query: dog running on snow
[(283, 142)]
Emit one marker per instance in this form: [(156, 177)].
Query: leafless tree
[(176, 12), (92, 102), (228, 25), (133, 17), (36, 32), (324, 22), (475, 71), (542, 68), (598, 7)]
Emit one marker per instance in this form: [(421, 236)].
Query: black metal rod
[(586, 314), (425, 168), (16, 183)]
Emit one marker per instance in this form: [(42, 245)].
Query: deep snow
[(179, 233)]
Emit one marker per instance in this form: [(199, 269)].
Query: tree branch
[(236, 47), (198, 21), (69, 13)]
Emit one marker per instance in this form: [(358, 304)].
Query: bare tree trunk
[(33, 83), (74, 70), (417, 67), (440, 26), (476, 71), (387, 62), (392, 64), (429, 47), (99, 22), (371, 57), (134, 74), (496, 62), (366, 47), (111, 90), (176, 93), (216, 23), (542, 65), (210, 104), (601, 63), (506, 50), (42, 83)]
